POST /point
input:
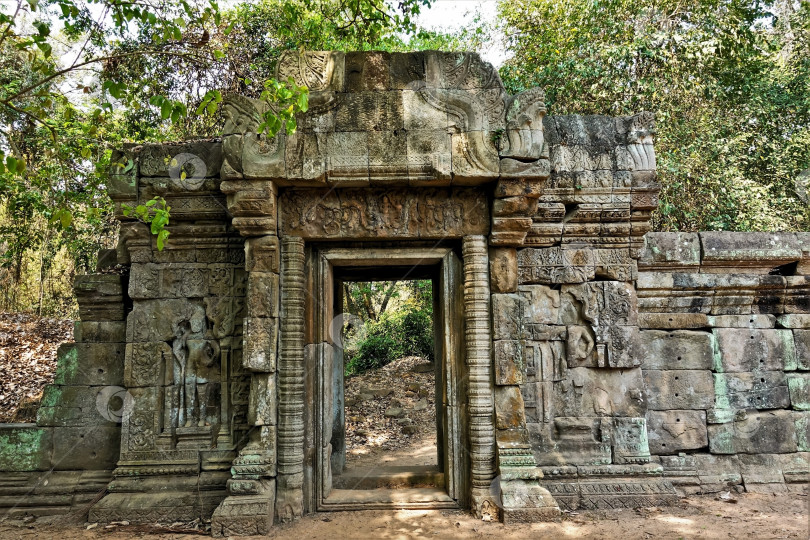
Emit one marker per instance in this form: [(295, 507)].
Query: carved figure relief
[(196, 374)]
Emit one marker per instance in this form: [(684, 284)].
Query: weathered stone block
[(797, 294), (503, 270), (762, 473), (794, 320), (25, 447), (262, 254), (801, 422), (509, 411), (259, 348), (99, 331), (602, 303), (184, 281), (755, 433), (507, 316), (581, 350), (620, 346), (146, 364), (672, 321), (671, 432), (753, 349), (262, 294), (672, 251), (802, 342), (717, 473), (678, 389), (630, 440), (156, 320), (245, 515), (198, 159), (799, 387), (74, 406), (542, 304), (263, 400), (681, 349), (795, 467), (144, 281), (100, 297), (86, 448), (761, 390), (555, 265), (599, 392), (742, 321), (525, 501), (759, 252), (510, 366), (570, 441), (90, 364)]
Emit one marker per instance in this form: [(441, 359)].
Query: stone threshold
[(383, 499), (390, 477)]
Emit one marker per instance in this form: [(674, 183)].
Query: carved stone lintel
[(388, 213)]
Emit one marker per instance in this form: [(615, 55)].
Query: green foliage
[(405, 329), (285, 99), (80, 77), (729, 82), (155, 213)]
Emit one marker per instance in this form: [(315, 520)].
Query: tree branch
[(7, 100)]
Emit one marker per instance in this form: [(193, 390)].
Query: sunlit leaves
[(155, 213), (285, 99)]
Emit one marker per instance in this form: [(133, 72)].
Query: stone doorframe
[(269, 477), (326, 266)]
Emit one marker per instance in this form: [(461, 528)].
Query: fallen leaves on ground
[(28, 346), (407, 384)]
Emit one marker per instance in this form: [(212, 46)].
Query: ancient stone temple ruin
[(582, 361)]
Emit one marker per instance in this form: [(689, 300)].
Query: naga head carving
[(524, 126)]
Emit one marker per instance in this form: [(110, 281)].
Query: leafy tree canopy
[(728, 80)]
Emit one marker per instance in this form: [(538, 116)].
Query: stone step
[(389, 498), (390, 477)]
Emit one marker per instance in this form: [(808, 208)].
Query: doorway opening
[(389, 384)]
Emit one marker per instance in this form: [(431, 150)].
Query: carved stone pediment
[(383, 119)]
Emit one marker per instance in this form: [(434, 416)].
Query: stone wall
[(603, 365), (724, 321), (61, 463)]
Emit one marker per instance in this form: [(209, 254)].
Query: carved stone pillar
[(249, 507), (252, 487), (290, 497), (478, 338)]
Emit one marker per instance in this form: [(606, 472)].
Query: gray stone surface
[(674, 431), (670, 251), (678, 389), (755, 433), (752, 349), (802, 341), (680, 349), (206, 362)]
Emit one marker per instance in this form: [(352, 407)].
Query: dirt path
[(372, 438), (754, 516)]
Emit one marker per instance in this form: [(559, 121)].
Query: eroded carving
[(351, 213)]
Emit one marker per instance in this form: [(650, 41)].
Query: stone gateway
[(582, 361)]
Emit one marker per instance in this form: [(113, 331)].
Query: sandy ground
[(755, 516), (373, 439)]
